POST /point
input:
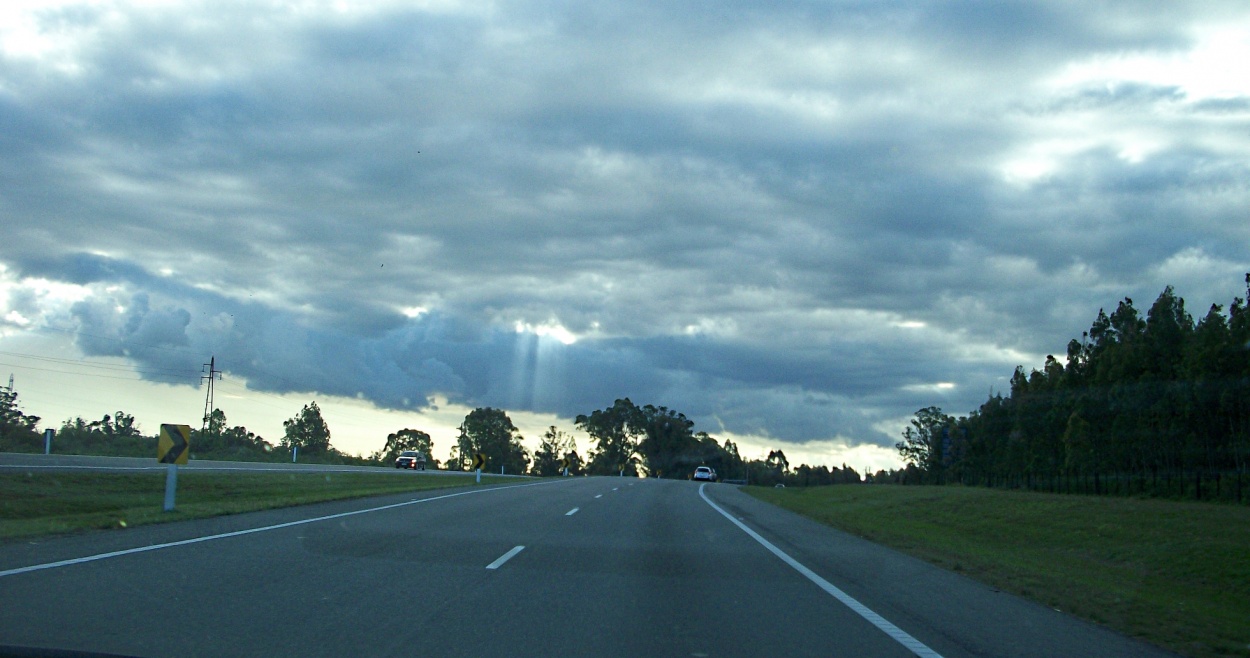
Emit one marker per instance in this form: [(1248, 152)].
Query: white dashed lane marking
[(505, 557)]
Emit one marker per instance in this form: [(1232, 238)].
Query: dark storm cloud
[(794, 221), (439, 355), (737, 386)]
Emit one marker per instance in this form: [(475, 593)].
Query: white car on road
[(705, 473)]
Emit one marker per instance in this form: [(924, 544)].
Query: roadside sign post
[(172, 448), (294, 453), (479, 460), (171, 486), (47, 441)]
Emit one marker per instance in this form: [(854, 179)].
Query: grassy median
[(1176, 574), (47, 503)]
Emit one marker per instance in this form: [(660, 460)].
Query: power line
[(142, 370), (95, 376), (74, 332), (98, 366), (172, 376)]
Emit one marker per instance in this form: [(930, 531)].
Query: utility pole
[(213, 375)]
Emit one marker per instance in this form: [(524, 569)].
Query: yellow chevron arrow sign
[(174, 444)]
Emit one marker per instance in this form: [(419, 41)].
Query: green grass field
[(1173, 573), (48, 503)]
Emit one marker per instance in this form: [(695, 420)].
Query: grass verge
[(1176, 574), (48, 503)]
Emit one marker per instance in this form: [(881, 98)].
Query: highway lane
[(640, 568)]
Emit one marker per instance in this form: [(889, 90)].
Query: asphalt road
[(609, 567)]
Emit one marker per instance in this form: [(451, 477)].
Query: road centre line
[(240, 533), (599, 496), (899, 635), (505, 557), (572, 511)]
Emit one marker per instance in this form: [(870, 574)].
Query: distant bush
[(17, 429)]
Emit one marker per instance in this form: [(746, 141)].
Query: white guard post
[(171, 486)]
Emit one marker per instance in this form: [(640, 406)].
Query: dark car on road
[(410, 459)]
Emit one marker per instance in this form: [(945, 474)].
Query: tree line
[(626, 439), (118, 434), (1156, 405)]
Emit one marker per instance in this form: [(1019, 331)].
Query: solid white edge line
[(240, 533), (505, 557), (572, 511), (897, 634)]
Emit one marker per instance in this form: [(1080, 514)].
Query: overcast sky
[(796, 223)]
